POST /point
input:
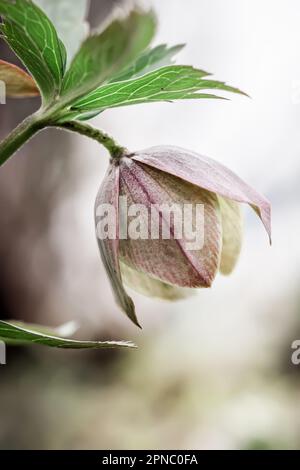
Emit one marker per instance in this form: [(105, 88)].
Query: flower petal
[(109, 249), (208, 174), (232, 234), (18, 83), (170, 260), (146, 285)]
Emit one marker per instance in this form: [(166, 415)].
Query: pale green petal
[(146, 285), (232, 229)]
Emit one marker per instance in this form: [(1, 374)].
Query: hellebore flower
[(166, 267)]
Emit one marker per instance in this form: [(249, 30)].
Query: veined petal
[(146, 285), (232, 234), (17, 82), (170, 260), (109, 248), (206, 173)]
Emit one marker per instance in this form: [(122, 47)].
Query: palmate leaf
[(33, 38), (166, 84), (102, 55), (150, 60), (18, 84), (20, 333), (69, 19)]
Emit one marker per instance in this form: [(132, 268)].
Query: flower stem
[(33, 124), (19, 136), (115, 150)]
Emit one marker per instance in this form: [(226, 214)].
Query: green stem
[(19, 136), (33, 124), (115, 150)]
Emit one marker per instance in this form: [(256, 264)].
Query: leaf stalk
[(19, 136), (35, 123), (115, 150)]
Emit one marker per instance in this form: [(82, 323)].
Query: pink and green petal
[(207, 174), (17, 82), (109, 249), (146, 285), (170, 260)]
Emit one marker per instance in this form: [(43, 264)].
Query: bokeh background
[(211, 372)]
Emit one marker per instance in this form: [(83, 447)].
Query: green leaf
[(69, 19), (33, 38), (150, 60), (103, 55), (20, 333), (166, 84)]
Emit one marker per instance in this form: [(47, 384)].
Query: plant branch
[(19, 136), (115, 150), (33, 124)]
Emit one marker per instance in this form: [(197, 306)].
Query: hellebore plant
[(117, 67)]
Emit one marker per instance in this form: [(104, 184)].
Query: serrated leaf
[(18, 84), (152, 59), (103, 55), (69, 19), (20, 333), (171, 83), (33, 38)]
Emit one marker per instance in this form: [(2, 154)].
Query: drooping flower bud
[(170, 191)]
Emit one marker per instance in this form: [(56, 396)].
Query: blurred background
[(211, 372)]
